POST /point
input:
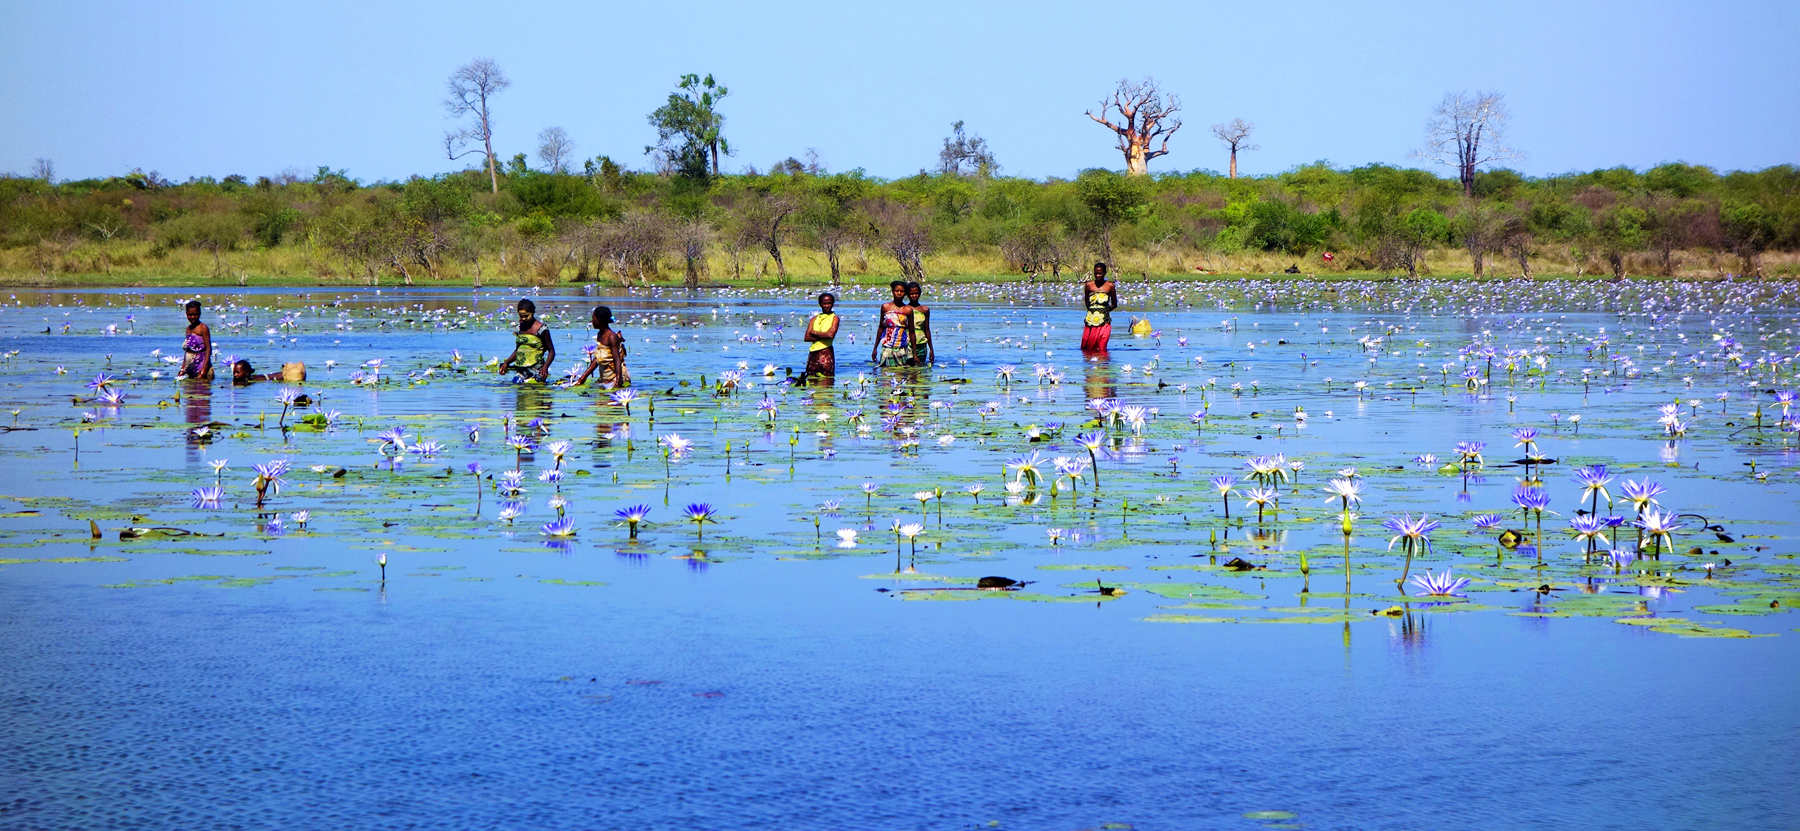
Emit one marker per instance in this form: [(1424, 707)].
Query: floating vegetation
[(1622, 452)]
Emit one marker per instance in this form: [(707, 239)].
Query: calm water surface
[(757, 675)]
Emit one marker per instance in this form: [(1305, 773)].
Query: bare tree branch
[(471, 87), (555, 149), (1144, 117), (1467, 131), (1235, 135)]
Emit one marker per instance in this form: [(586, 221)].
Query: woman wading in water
[(821, 330), (923, 353), (609, 353), (893, 324), (196, 347), (1100, 297), (533, 351)]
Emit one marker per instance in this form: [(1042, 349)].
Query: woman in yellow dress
[(923, 352), (821, 330)]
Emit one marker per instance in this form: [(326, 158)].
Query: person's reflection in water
[(531, 402), (196, 403), (1099, 382)]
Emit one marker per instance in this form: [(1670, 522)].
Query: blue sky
[(214, 88)]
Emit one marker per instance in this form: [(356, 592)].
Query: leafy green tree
[(1109, 200), (1279, 226), (1404, 241), (831, 216), (207, 231), (1679, 180), (1748, 229), (1480, 228), (1620, 231), (270, 216), (690, 128)]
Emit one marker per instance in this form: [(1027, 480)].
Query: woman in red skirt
[(1099, 296)]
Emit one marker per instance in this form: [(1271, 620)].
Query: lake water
[(209, 667)]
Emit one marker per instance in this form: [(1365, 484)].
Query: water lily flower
[(1224, 484), (559, 527), (632, 516), (218, 466), (511, 482), (552, 477), (1348, 491), (269, 477), (1468, 453), (392, 437), (975, 490), (700, 513), (510, 511), (924, 496), (1415, 532), (1658, 525), (558, 449), (1531, 498), (1641, 494), (1526, 437), (1590, 529), (1027, 468), (675, 444), (1262, 497), (1440, 585), (300, 518), (1593, 480), (1055, 535), (846, 537), (910, 531), (428, 449), (208, 497)]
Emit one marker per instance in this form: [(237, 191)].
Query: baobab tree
[(1143, 117), (1235, 135), (555, 149), (1467, 131), (471, 87)]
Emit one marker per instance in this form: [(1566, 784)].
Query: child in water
[(243, 374)]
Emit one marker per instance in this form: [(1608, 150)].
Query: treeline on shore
[(606, 223)]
